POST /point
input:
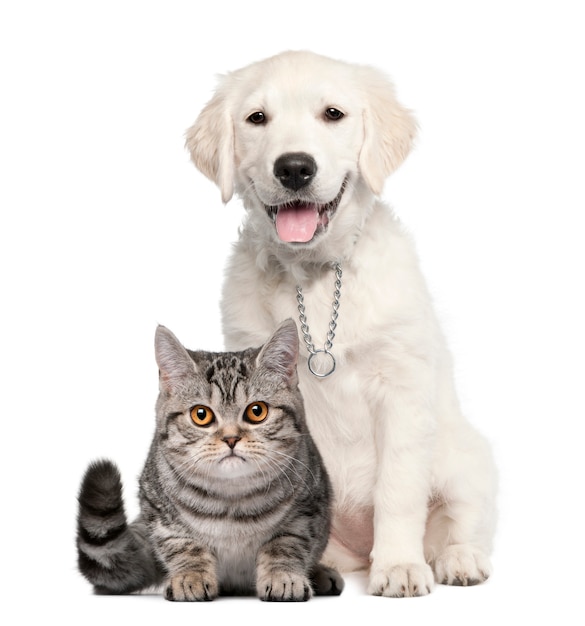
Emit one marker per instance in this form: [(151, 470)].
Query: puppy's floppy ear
[(389, 130), (211, 143)]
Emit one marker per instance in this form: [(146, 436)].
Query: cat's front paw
[(283, 587), (463, 566), (191, 587), (401, 581)]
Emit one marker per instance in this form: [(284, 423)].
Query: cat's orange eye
[(202, 415), (256, 412)]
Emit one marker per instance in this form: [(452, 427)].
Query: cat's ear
[(280, 353), (174, 362)]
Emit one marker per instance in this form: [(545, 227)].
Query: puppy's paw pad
[(462, 566), (401, 581)]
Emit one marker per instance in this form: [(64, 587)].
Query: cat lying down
[(234, 496)]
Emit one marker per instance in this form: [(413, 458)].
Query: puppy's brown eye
[(257, 117), (202, 415), (256, 412), (333, 114)]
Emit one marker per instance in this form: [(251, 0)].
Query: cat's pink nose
[(231, 441)]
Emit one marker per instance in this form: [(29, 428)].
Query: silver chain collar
[(321, 362)]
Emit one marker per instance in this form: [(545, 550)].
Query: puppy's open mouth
[(300, 221)]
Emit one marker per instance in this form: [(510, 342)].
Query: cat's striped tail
[(113, 555)]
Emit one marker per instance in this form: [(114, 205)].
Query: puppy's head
[(296, 134)]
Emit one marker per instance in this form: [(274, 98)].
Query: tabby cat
[(234, 497)]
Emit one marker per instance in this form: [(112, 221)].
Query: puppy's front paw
[(191, 587), (281, 586), (401, 581), (463, 566)]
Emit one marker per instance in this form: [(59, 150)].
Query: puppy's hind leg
[(455, 559), (461, 522)]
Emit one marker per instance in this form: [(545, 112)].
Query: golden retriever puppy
[(307, 143)]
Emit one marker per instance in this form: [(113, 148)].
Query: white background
[(107, 230)]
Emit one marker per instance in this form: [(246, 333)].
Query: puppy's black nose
[(295, 169)]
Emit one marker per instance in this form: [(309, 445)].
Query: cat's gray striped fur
[(233, 499)]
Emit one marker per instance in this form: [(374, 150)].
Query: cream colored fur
[(414, 482)]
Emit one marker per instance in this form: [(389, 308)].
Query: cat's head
[(230, 414)]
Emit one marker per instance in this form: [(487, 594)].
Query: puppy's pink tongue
[(298, 223)]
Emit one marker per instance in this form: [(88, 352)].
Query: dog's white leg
[(405, 433), (462, 560), (460, 529)]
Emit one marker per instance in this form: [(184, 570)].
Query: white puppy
[(307, 142)]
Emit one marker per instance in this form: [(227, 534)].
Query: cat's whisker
[(295, 460), (281, 468)]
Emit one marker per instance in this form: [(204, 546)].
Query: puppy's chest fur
[(382, 316), (340, 410)]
